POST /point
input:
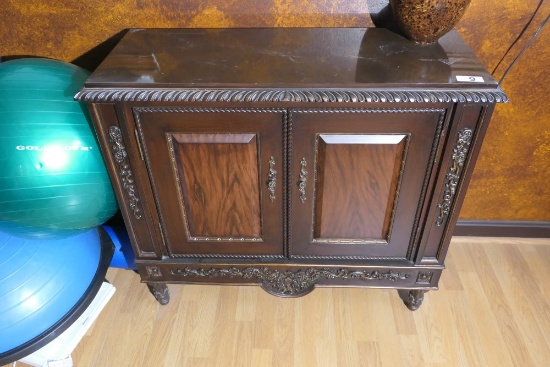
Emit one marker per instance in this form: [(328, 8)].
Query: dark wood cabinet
[(290, 158)]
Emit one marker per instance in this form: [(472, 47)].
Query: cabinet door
[(217, 176), (358, 179)]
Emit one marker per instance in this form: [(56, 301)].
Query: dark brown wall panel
[(509, 182)]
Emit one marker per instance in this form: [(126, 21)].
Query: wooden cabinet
[(290, 158)]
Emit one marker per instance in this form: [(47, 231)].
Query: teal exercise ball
[(53, 180)]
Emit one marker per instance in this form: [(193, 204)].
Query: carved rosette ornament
[(453, 174), (153, 271), (424, 277), (289, 283), (124, 171)]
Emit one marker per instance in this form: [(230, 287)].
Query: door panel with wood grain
[(357, 179), (356, 185), (221, 193), (220, 183)]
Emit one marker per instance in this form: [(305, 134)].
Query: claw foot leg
[(412, 298), (160, 292)]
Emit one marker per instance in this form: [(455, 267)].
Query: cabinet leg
[(412, 297), (160, 292)]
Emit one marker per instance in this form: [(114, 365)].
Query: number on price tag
[(469, 78)]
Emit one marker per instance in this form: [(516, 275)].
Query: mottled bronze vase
[(424, 21)]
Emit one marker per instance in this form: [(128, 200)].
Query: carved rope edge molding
[(124, 171), (288, 95), (289, 283)]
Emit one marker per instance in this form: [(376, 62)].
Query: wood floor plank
[(344, 316), (430, 331), (384, 325), (363, 310), (492, 309), (262, 357), (411, 351), (347, 353), (369, 354), (448, 281), (478, 305), (265, 322), (450, 344), (532, 313), (541, 267), (326, 353), (284, 344), (404, 323), (502, 309), (466, 331)]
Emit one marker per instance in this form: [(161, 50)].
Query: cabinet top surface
[(350, 58)]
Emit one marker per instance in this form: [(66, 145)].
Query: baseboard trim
[(497, 228)]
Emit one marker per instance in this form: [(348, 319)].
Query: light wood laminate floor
[(492, 309)]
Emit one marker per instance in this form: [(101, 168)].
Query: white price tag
[(469, 78)]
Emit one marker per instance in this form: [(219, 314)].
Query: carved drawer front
[(359, 178), (218, 178)]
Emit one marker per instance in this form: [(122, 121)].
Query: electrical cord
[(524, 49), (519, 35)]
